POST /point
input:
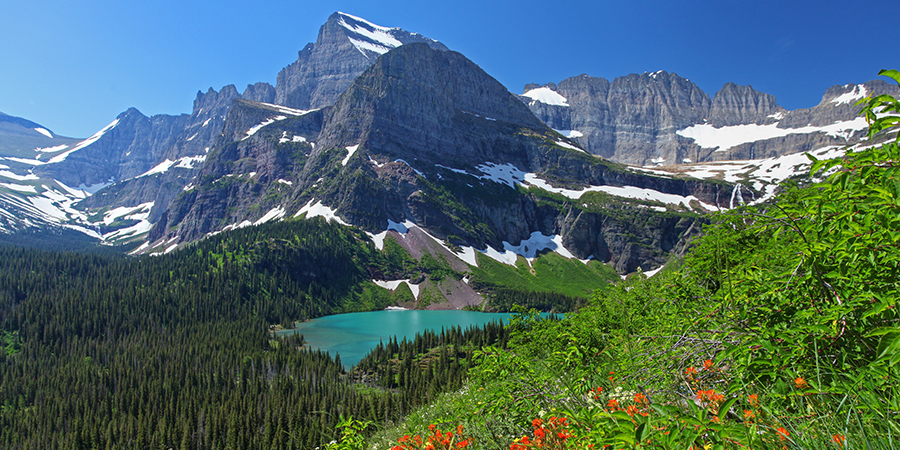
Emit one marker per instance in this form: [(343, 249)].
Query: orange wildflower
[(782, 433), (632, 410), (753, 399), (708, 364), (613, 404), (839, 439), (691, 372), (800, 383), (640, 398)]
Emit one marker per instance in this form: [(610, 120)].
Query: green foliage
[(780, 330), (10, 343), (351, 435), (398, 259), (551, 280)]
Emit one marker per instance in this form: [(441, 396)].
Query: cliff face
[(345, 47), (426, 138), (662, 119)]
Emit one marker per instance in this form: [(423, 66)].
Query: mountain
[(23, 138), (425, 145), (661, 118), (146, 161), (345, 47), (421, 144)]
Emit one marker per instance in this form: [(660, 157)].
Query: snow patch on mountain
[(762, 174), (859, 92), (319, 210), (274, 214), (284, 138), (378, 39), (529, 249), (724, 138), (260, 126), (135, 230), (186, 162), (53, 149), (288, 111), (139, 212), (393, 285), (569, 146), (350, 151), (62, 156), (571, 134), (547, 96), (511, 176), (19, 187), (17, 177), (44, 132)]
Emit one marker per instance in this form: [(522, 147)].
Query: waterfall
[(736, 193)]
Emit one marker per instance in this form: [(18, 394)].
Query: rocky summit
[(346, 46)]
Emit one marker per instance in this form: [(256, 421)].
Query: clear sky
[(74, 66)]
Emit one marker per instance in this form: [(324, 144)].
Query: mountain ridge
[(645, 119), (427, 139), (324, 160)]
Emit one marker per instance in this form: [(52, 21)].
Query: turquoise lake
[(353, 335)]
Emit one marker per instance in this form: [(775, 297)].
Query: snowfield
[(724, 138), (547, 96)]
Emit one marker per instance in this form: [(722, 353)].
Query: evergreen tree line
[(173, 351), (505, 300), (432, 363)]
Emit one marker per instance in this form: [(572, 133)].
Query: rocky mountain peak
[(259, 92), (425, 90), (737, 105), (345, 47), (213, 99)]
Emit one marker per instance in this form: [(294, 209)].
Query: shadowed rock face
[(408, 141), (635, 119), (345, 47)]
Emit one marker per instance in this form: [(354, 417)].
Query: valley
[(153, 275)]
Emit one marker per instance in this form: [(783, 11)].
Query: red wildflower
[(782, 433), (708, 364), (640, 398), (632, 410), (839, 439)]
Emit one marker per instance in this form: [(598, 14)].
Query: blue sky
[(74, 66)]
